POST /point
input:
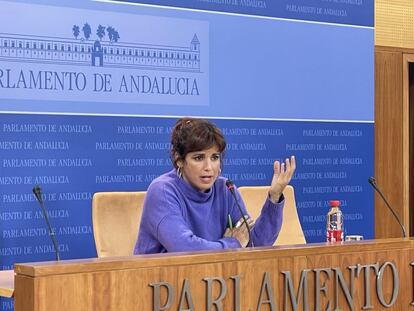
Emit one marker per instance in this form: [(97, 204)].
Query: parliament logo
[(84, 50), (147, 60)]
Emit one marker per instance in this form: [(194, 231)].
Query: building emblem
[(105, 51)]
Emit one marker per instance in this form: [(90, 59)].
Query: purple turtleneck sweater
[(177, 217)]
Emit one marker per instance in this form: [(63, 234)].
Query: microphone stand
[(38, 194), (373, 183), (230, 186)]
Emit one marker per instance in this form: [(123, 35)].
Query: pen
[(230, 223)]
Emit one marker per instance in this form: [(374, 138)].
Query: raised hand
[(282, 175)]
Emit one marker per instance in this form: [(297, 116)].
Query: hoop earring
[(179, 172)]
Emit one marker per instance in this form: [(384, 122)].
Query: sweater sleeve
[(267, 225), (175, 235), (171, 229)]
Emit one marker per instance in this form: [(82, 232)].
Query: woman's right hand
[(240, 232)]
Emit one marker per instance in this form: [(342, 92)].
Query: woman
[(190, 207)]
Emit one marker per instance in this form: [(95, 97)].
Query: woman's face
[(201, 168)]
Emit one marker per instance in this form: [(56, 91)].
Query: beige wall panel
[(394, 23)]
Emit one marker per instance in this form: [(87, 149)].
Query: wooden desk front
[(352, 276)]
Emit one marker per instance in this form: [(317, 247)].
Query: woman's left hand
[(240, 232), (282, 175)]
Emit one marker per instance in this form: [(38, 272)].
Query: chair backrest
[(291, 231), (116, 217)]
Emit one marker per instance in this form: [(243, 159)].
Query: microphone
[(230, 186), (373, 183), (38, 194)]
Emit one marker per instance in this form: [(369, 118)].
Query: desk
[(375, 275)]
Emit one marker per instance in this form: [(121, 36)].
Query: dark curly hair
[(191, 134)]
